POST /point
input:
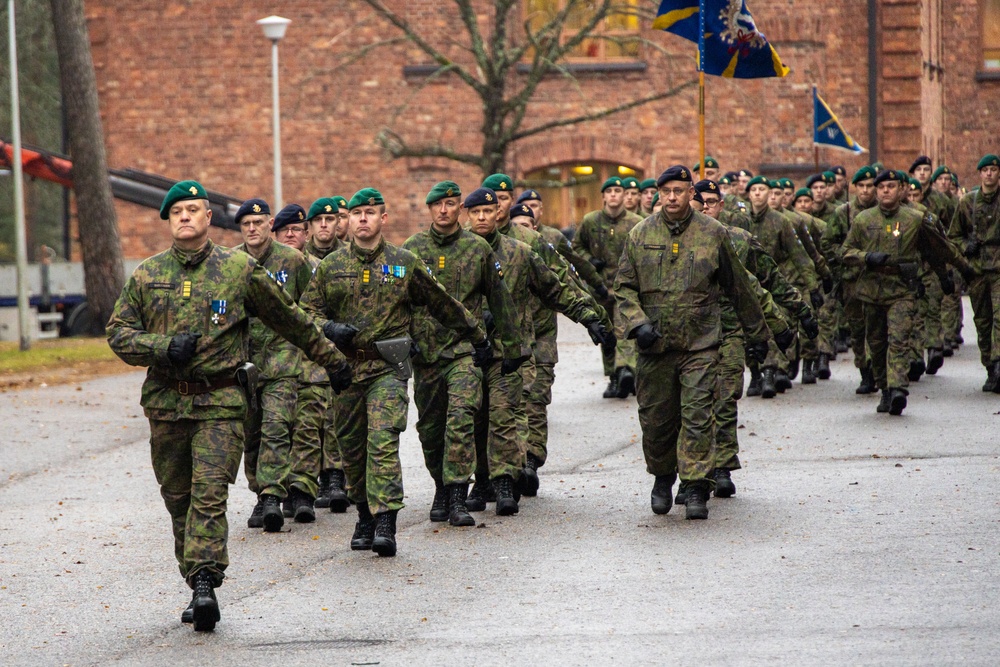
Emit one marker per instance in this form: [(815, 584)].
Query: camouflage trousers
[(371, 414), (499, 447), (331, 448), (927, 332), (888, 328), (827, 320), (308, 436), (195, 461), (854, 318), (625, 351), (537, 393), (268, 448), (984, 293), (676, 395), (730, 390), (952, 311), (447, 395), (776, 358)]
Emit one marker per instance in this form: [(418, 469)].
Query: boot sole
[(273, 522), (808, 380), (339, 505), (305, 516), (255, 523), (439, 518), (187, 616), (823, 375), (464, 522), (507, 507), (205, 615), (361, 545), (384, 547), (660, 505), (696, 513), (896, 405), (322, 502), (769, 394)]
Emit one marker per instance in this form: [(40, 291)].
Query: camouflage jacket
[(274, 356), (583, 267), (735, 204), (978, 218), (673, 275), (836, 234), (746, 250), (214, 292), (313, 250), (376, 291), (827, 211), (599, 236), (776, 234), (939, 204), (465, 265), (908, 237), (527, 275), (312, 373), (809, 229)]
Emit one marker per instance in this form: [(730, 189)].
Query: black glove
[(597, 332), (947, 284), (599, 264), (610, 341), (809, 326), (874, 259), (340, 379), (971, 248), (646, 335), (489, 322), (482, 352), (340, 334), (757, 351), (784, 339), (816, 299), (182, 347), (508, 366), (827, 284), (602, 292)]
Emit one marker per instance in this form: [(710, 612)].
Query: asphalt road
[(854, 539)]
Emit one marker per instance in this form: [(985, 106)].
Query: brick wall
[(185, 92)]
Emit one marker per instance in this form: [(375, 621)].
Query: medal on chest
[(391, 272), (219, 311)]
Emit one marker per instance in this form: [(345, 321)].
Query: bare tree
[(508, 64), (104, 273)]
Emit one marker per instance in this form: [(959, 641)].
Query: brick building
[(185, 92)]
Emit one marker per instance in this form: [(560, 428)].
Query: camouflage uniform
[(835, 235), (978, 219), (944, 208), (672, 276), (601, 237), (268, 449), (196, 431), (376, 291), (907, 237), (447, 387), (809, 230)]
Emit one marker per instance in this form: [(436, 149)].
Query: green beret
[(943, 169), (613, 182), (774, 184), (903, 176), (914, 183), (863, 174), (878, 167), (725, 180), (442, 190), (365, 197), (954, 179), (988, 161), (656, 199), (787, 183), (179, 192), (710, 163), (631, 183), (829, 177), (499, 183), (341, 202), (758, 180), (647, 184), (323, 206), (802, 192)]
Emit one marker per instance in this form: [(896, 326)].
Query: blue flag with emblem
[(729, 43), (827, 130)]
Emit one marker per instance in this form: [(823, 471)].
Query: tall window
[(570, 191), (616, 37), (991, 34)]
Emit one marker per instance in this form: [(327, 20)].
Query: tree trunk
[(103, 271)]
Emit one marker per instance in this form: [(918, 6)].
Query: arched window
[(573, 189)]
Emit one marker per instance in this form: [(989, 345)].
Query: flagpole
[(701, 89), (815, 146)]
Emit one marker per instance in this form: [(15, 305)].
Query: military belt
[(187, 388), (364, 354)]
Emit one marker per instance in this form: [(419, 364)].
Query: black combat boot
[(323, 494), (459, 513), (661, 498), (867, 385), (287, 510), (626, 382), (302, 506), (884, 404), (187, 616), (897, 400), (612, 390), (697, 500), (338, 496), (529, 476), (724, 487), (384, 543), (808, 376), (781, 381), (256, 519), (917, 368), (823, 367), (996, 374), (204, 605), (754, 388), (481, 490), (504, 488), (935, 360), (439, 508), (273, 517), (793, 370), (842, 342), (948, 350), (364, 529), (767, 387), (682, 494)]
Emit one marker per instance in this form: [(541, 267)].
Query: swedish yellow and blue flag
[(827, 130), (729, 43)]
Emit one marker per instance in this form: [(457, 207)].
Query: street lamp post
[(274, 29), (19, 234)]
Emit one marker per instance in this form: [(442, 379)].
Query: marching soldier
[(633, 197), (647, 190)]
